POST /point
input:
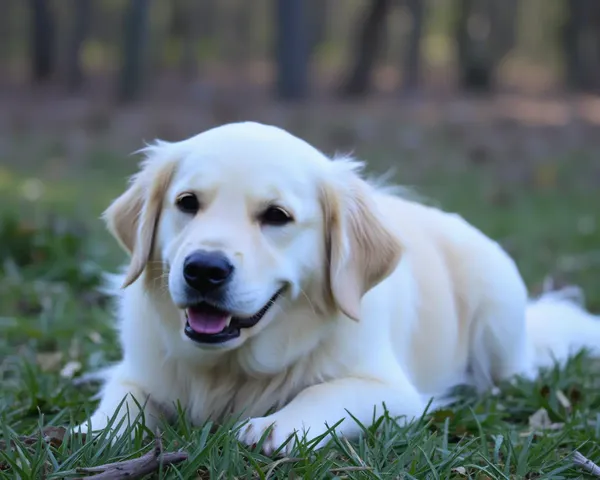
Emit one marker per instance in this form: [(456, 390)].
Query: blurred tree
[(292, 49), (319, 12), (6, 31), (366, 43), (412, 57), (42, 40), (242, 26), (135, 36), (581, 45), (184, 26), (574, 25), (82, 11), (503, 17), (475, 63), (207, 26)]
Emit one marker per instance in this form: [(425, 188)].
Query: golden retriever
[(265, 276)]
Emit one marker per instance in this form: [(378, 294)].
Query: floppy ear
[(362, 251), (132, 218)]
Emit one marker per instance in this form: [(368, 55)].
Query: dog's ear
[(132, 218), (361, 250)]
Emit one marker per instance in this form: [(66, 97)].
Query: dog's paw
[(279, 434), (91, 427), (100, 425)]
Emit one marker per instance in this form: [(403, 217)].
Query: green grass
[(54, 326)]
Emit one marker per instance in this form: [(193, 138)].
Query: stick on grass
[(137, 467), (586, 464)]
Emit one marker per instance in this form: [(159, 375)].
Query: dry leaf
[(49, 361), (95, 337), (540, 421), (75, 348), (460, 471), (70, 369), (563, 400), (52, 435)]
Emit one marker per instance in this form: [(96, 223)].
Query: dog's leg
[(500, 349), (121, 404), (320, 407)]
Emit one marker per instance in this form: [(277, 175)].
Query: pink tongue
[(206, 321)]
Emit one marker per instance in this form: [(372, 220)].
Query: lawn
[(540, 202)]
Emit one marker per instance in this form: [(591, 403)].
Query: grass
[(54, 326)]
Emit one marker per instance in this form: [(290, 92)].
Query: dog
[(270, 281)]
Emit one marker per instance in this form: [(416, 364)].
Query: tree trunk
[(6, 30), (81, 23), (208, 11), (242, 23), (367, 43), (292, 49), (412, 63), (134, 50), (581, 45), (592, 55), (503, 27), (42, 41), (186, 17), (319, 13), (474, 56), (572, 28)]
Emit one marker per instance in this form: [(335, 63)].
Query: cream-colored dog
[(266, 276)]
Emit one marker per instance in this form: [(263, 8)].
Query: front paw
[(277, 433), (100, 424), (92, 427)]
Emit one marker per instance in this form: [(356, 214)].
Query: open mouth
[(209, 324)]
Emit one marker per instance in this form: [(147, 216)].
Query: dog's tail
[(558, 327)]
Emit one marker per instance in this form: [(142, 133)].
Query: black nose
[(205, 271)]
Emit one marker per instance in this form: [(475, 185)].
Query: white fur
[(454, 309)]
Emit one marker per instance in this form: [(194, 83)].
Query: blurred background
[(485, 107)]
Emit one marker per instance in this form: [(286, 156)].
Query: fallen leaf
[(541, 421), (32, 189), (70, 369), (460, 471), (95, 337), (75, 348), (563, 400), (49, 361), (52, 435)]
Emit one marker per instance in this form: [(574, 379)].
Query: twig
[(586, 464), (350, 469), (281, 461), (137, 467)]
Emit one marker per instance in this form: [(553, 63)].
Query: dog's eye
[(188, 203), (275, 216)]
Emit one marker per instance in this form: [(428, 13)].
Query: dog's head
[(246, 219)]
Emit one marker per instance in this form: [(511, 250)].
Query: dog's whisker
[(312, 306)]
